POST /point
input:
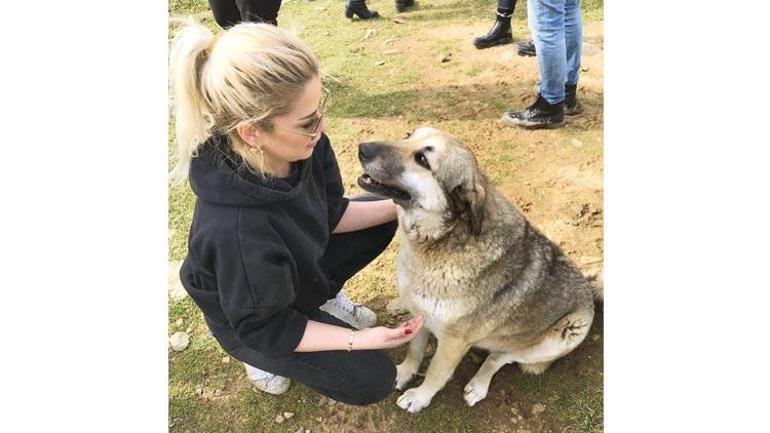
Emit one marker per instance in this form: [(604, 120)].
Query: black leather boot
[(541, 114), (402, 5), (358, 7), (526, 48), (571, 104), (499, 34)]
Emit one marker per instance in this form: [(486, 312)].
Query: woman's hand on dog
[(382, 337)]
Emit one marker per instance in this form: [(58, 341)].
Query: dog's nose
[(366, 152)]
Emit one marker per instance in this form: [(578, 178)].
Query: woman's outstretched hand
[(382, 337)]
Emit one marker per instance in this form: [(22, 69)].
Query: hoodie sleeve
[(336, 202), (257, 292)]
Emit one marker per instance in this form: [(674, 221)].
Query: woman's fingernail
[(408, 331)]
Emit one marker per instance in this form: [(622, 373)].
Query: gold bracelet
[(350, 339)]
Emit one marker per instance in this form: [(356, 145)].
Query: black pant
[(228, 13), (358, 377)]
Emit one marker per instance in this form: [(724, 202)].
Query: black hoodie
[(255, 247)]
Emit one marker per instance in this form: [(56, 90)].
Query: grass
[(385, 79)]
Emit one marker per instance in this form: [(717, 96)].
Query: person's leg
[(547, 23), (359, 9), (546, 20), (573, 32), (500, 33), (259, 11), (225, 12), (358, 377)]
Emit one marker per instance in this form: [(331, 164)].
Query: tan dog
[(473, 266)]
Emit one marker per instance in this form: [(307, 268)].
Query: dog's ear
[(469, 198)]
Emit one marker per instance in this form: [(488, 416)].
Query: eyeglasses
[(316, 125)]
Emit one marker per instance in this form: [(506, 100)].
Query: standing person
[(557, 27), (228, 13), (500, 33), (272, 237)]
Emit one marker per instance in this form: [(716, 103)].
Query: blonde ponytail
[(189, 52), (250, 72)]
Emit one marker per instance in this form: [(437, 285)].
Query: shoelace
[(347, 305)]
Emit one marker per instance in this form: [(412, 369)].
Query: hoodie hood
[(218, 175)]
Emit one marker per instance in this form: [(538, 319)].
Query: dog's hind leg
[(414, 356), (476, 390)]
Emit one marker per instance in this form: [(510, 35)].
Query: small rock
[(584, 69), (199, 389), (218, 393), (390, 52), (288, 415), (300, 430), (322, 400), (514, 420), (226, 360), (279, 419), (596, 337), (399, 20), (390, 41), (444, 58), (380, 63), (538, 408), (188, 330), (179, 341), (515, 410), (368, 33), (576, 143), (320, 419)]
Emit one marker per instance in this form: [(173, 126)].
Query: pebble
[(538, 408), (380, 63), (300, 430), (390, 52), (444, 58), (199, 390), (175, 288), (218, 393), (322, 400), (226, 360), (399, 20), (576, 143), (179, 341), (288, 415), (368, 33), (279, 419)]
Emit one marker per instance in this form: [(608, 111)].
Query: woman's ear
[(249, 133)]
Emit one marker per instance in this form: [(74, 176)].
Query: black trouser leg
[(358, 377), (348, 253), (228, 13)]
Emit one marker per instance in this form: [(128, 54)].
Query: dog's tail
[(596, 278)]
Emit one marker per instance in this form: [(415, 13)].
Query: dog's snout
[(366, 151)]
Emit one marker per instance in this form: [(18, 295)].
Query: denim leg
[(573, 28), (546, 20)]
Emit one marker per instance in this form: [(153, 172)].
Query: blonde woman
[(272, 237)]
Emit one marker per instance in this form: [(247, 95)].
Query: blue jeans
[(557, 29)]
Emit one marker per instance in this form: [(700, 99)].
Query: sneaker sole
[(509, 122), (526, 53)]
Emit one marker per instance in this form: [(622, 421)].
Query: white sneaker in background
[(267, 382), (351, 312)]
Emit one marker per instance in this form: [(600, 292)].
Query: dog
[(473, 266)]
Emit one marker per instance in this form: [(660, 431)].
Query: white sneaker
[(267, 382), (344, 309)]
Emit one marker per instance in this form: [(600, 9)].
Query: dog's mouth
[(368, 183)]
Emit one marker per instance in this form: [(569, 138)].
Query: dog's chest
[(437, 293)]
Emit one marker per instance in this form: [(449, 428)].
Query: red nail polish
[(408, 331)]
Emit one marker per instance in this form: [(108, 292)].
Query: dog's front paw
[(414, 400), (475, 392), (404, 375)]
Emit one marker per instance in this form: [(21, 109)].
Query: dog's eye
[(420, 158)]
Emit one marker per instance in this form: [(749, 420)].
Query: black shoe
[(402, 5), (499, 34), (541, 114), (526, 49), (571, 104), (358, 7)]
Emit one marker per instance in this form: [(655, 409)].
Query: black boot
[(526, 48), (358, 7), (541, 114), (571, 104), (499, 34), (402, 5)]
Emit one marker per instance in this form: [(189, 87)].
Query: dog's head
[(429, 174)]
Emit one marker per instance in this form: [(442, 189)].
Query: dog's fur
[(473, 266)]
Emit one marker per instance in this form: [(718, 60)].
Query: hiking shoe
[(358, 8), (526, 49), (571, 104), (539, 115), (350, 312), (267, 382), (499, 34)]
